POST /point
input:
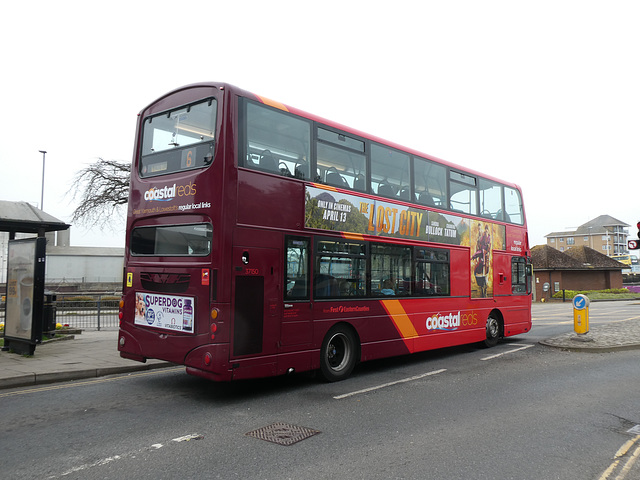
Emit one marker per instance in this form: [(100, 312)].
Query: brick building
[(578, 268)]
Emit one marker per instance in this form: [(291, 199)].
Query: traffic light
[(634, 244)]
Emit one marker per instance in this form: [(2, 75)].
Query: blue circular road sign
[(580, 302)]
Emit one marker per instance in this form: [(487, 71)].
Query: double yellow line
[(620, 466)]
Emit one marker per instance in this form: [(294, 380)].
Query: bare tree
[(102, 188)]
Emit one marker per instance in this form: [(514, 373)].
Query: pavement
[(92, 354), (89, 354)]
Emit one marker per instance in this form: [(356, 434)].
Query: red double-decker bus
[(262, 240)]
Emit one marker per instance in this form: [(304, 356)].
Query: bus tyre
[(493, 331), (338, 354)]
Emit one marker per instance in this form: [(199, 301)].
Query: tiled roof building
[(578, 268)]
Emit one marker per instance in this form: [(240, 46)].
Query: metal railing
[(84, 311), (87, 311)]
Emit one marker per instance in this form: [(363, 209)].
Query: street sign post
[(581, 314)]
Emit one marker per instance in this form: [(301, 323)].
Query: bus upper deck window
[(179, 139), (277, 142)]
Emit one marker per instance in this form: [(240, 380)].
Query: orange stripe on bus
[(352, 236), (325, 187), (400, 319), (272, 103)]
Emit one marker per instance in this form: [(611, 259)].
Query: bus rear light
[(207, 359), (214, 329), (214, 313)]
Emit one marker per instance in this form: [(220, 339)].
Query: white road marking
[(377, 387), (524, 347), (186, 438), (107, 460)]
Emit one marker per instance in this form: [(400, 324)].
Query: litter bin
[(581, 314), (49, 313)]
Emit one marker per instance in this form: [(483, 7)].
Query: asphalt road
[(517, 411)]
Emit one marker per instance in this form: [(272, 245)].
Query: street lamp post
[(43, 152)]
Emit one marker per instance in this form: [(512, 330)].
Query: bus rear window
[(179, 139), (172, 240)]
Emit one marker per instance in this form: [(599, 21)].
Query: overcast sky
[(544, 94)]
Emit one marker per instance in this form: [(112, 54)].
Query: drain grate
[(282, 433)]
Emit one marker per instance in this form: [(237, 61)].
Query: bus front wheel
[(493, 331), (339, 353)]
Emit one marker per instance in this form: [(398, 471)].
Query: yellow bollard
[(581, 314)]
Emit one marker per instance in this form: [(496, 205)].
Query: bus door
[(297, 329), (257, 299)]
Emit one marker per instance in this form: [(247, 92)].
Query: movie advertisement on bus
[(168, 312), (341, 212), (485, 237)]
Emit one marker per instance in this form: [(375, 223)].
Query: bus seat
[(284, 170), (426, 199), (360, 183), (502, 213), (301, 170), (325, 286), (334, 178), (299, 289), (386, 189), (267, 161), (405, 193)]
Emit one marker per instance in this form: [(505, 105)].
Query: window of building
[(571, 241)]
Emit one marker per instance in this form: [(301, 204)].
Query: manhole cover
[(283, 433)]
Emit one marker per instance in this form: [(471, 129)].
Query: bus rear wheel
[(494, 329), (339, 353)]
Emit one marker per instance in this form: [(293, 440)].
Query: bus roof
[(244, 93)]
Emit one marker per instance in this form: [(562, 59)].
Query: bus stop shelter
[(21, 217), (24, 312)]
